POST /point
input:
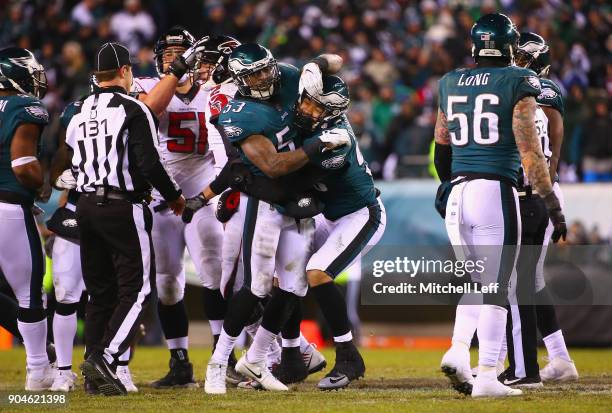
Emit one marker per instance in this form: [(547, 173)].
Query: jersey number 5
[(187, 141), (490, 135)]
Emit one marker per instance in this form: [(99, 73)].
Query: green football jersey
[(478, 104), (243, 117), (14, 111), (349, 185), (551, 96)]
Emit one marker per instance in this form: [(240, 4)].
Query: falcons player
[(184, 149)]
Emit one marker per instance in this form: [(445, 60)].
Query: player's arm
[(160, 96), (442, 152), (328, 63), (61, 158), (555, 134), (25, 165), (259, 150)]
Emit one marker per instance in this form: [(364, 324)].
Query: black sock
[(8, 315), (545, 313), (291, 329), (279, 307), (173, 319), (215, 305), (334, 308), (180, 354), (239, 311)]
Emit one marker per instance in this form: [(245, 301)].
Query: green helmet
[(533, 53), (494, 35), (254, 70), (20, 71), (332, 102)]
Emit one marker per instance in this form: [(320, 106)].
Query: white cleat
[(456, 366), (40, 379), (559, 369), (65, 381), (260, 373), (124, 375), (500, 368), (491, 387), (215, 378), (313, 359)]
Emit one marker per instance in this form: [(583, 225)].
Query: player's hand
[(66, 180), (333, 138), (189, 58), (311, 80), (178, 205), (227, 205), (556, 217), (191, 207)]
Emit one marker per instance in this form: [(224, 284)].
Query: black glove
[(227, 205), (191, 207), (556, 217)]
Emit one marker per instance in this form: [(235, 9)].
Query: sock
[(261, 344), (124, 359), (344, 338), (215, 326), (487, 373), (240, 310), (555, 345), (64, 330), (8, 315), (215, 307), (35, 342), (466, 321), (274, 354), (304, 344), (503, 351), (180, 354), (491, 330), (177, 343), (545, 313), (291, 329), (174, 321), (332, 304), (251, 329), (278, 308), (291, 342), (224, 347)]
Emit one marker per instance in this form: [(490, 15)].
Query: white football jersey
[(183, 141), (216, 99)]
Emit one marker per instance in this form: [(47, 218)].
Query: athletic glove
[(311, 80), (328, 140), (65, 180), (191, 207), (188, 59), (227, 205), (556, 217)]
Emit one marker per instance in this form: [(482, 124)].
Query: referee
[(115, 162)]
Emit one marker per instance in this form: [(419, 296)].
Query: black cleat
[(349, 367), (463, 387), (102, 375), (90, 388), (291, 368), (180, 375), (509, 379)]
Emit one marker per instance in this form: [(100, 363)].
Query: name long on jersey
[(183, 138)]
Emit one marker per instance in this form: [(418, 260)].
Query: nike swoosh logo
[(336, 380), (509, 382), (257, 376)]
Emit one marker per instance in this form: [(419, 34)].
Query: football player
[(487, 116), (22, 119), (186, 154), (533, 53)]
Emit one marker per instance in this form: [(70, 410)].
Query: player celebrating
[(22, 119), (487, 116)]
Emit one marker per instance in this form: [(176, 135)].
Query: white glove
[(311, 80), (333, 138), (66, 180), (191, 55)]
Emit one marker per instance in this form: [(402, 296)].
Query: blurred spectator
[(85, 13), (75, 82), (597, 161), (380, 69), (383, 109), (370, 144), (133, 26)]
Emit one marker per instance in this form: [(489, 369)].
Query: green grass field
[(395, 381)]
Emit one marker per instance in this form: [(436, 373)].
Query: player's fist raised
[(178, 205), (556, 217), (188, 59)]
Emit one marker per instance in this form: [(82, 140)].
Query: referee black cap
[(112, 56)]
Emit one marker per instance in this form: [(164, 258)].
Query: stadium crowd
[(394, 53)]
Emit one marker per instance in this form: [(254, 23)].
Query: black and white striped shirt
[(113, 138)]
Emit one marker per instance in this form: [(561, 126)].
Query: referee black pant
[(118, 266)]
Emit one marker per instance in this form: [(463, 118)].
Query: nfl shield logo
[(485, 37)]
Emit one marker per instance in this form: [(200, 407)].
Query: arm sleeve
[(142, 132), (443, 156)]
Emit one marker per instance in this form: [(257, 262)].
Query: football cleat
[(123, 372), (349, 367), (215, 378), (559, 369), (250, 385), (490, 387), (456, 366), (260, 373), (180, 375), (65, 381), (292, 368), (313, 359), (103, 376), (40, 379)]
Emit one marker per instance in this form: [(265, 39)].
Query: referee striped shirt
[(113, 138)]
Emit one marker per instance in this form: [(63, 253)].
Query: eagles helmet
[(20, 71), (216, 53), (254, 70), (331, 103), (177, 37), (533, 53), (494, 35)]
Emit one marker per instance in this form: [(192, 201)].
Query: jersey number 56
[(488, 136)]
